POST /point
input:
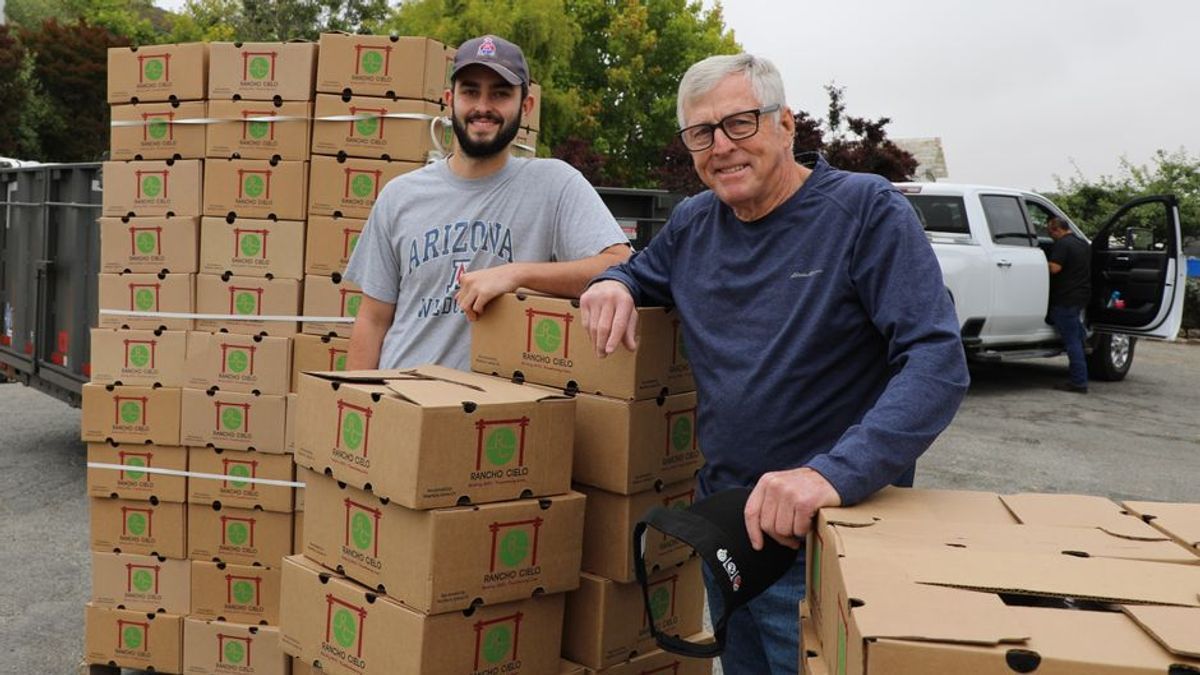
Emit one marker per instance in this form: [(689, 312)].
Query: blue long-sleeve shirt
[(820, 335)]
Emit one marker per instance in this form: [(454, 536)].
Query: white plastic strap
[(193, 474), (224, 317), (421, 117)]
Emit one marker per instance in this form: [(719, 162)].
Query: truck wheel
[(1111, 357)]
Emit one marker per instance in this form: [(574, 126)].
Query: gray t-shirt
[(429, 226)]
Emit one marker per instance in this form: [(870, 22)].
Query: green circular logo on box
[(362, 185), (660, 602), (158, 129), (237, 361), (345, 630), (231, 418), (367, 127), (259, 129), (372, 62), (146, 242), (144, 299), (340, 362), (353, 304), (259, 67), (139, 356), (497, 644), (353, 242), (136, 524), (143, 581), (135, 461), (132, 637), (253, 186), (245, 303), (352, 430), (547, 335), (131, 412), (234, 652), (514, 547), (241, 471), (361, 531), (151, 186), (237, 533), (679, 504), (681, 434), (243, 592), (251, 245), (153, 70), (500, 446)]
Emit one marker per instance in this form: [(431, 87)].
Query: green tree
[(14, 94), (307, 19), (207, 21)]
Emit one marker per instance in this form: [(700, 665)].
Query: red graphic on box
[(351, 174), (681, 500), (246, 135), (358, 57), (229, 581), (226, 521), (566, 322), (239, 232), (129, 570), (347, 294), (479, 626), (166, 175), (690, 415), (345, 407), (133, 291), (258, 293), (133, 233), (143, 58), (264, 173), (170, 118), (223, 639), (222, 406), (246, 56), (330, 601), (334, 353), (151, 344), (348, 234), (497, 528), (671, 582), (677, 355), (482, 426), (147, 512), (228, 464), (122, 624), (225, 356), (353, 507), (118, 400), (354, 110), (124, 456)]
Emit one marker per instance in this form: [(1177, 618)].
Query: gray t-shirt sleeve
[(373, 265), (584, 226)]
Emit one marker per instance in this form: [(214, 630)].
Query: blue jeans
[(1070, 327), (763, 636)]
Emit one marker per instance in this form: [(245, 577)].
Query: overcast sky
[(1018, 90)]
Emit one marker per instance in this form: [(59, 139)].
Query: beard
[(480, 149)]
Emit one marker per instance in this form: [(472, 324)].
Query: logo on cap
[(731, 569), (486, 48)]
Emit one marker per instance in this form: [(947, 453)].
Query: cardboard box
[(659, 662), (605, 622), (141, 582), (233, 420), (542, 338), (631, 446), (448, 437), (140, 528), (534, 119), (298, 532), (255, 188), (247, 297), (130, 414), (525, 144), (446, 559), (252, 247), (329, 243), (262, 71), (238, 536), (131, 639), (379, 65), (299, 667), (349, 187), (959, 595), (133, 484), (289, 432), (234, 362), (153, 188), (330, 297), (608, 530), (255, 130), (221, 647), (138, 357), (158, 73), (146, 293), (241, 494), (237, 593), (1079, 511), (377, 136), (1181, 522), (317, 353), (566, 667), (152, 131), (150, 245), (349, 629), (812, 661)]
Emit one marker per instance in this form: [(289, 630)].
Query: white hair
[(704, 76)]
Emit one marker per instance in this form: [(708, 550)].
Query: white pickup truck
[(992, 245)]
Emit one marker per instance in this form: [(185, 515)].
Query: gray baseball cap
[(496, 53)]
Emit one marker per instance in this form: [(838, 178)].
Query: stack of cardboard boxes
[(634, 448)]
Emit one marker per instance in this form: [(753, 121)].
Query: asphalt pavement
[(1137, 439)]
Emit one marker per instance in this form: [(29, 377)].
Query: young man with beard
[(443, 241)]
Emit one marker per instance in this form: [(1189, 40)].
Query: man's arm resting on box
[(370, 327), (565, 279)]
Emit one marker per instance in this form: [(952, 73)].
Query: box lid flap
[(437, 386), (1079, 511), (1180, 521), (1175, 628), (925, 505)]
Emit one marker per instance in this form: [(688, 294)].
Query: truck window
[(1006, 220), (940, 213)]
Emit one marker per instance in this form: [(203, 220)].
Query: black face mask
[(716, 528)]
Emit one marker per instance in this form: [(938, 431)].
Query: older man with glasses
[(825, 347)]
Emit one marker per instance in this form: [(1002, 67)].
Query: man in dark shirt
[(1070, 288)]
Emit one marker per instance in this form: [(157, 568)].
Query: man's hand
[(783, 503), (609, 317), (476, 289)]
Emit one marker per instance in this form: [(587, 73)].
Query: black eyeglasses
[(738, 126)]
